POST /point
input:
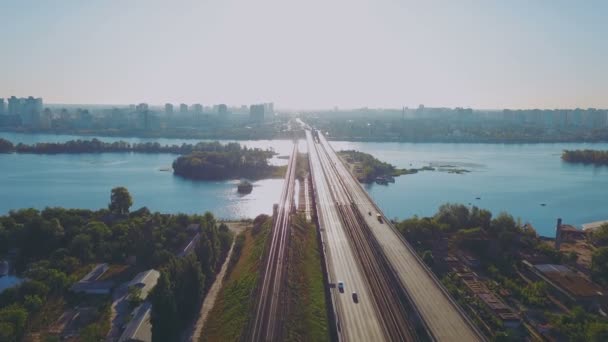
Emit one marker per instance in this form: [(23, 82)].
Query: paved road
[(443, 318), (356, 321)]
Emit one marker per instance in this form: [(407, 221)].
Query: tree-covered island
[(595, 157), (232, 163), (368, 169)]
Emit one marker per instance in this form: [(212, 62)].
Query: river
[(516, 178)]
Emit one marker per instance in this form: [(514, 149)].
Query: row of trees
[(55, 244), (595, 157), (98, 146), (184, 282)]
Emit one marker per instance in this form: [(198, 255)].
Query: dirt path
[(195, 333)]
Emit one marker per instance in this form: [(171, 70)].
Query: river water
[(505, 177)]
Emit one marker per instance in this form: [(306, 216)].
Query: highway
[(440, 316), (356, 321), (270, 308)]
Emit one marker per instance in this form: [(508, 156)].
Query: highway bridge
[(399, 298), (267, 322)]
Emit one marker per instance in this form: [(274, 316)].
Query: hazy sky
[(308, 53)]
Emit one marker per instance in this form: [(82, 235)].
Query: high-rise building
[(256, 112), (183, 108), (269, 108), (168, 109), (14, 106), (197, 108), (2, 107), (222, 109), (142, 107)]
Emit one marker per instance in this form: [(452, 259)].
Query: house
[(568, 285), (90, 283)]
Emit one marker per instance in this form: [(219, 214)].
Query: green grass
[(230, 315), (307, 317)]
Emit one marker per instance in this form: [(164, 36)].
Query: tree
[(599, 265), (120, 201), (600, 236), (14, 318), (428, 259), (164, 316)]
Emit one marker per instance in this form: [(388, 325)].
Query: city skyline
[(308, 55)]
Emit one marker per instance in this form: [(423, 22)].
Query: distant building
[(197, 108), (168, 109), (222, 109), (142, 107), (2, 107), (256, 112), (14, 106), (183, 108), (269, 108)]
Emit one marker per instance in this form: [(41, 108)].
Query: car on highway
[(355, 297), (379, 217), (341, 286)]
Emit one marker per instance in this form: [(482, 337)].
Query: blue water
[(512, 178), (9, 281)]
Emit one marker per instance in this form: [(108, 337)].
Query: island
[(244, 187), (231, 163), (595, 157), (368, 169)]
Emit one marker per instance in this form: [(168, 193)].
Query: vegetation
[(120, 201), (579, 325), (599, 236), (56, 247), (307, 317), (499, 244), (599, 265), (97, 146), (176, 297), (230, 315), (367, 168), (594, 157), (233, 162)]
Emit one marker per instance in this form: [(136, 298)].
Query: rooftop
[(594, 225), (572, 282)]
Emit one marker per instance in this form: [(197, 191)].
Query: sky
[(309, 54)]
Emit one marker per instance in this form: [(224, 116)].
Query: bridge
[(399, 296)]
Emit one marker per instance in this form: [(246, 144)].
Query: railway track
[(385, 289), (270, 308)]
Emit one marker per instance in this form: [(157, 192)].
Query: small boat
[(244, 187), (477, 198), (543, 204)]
